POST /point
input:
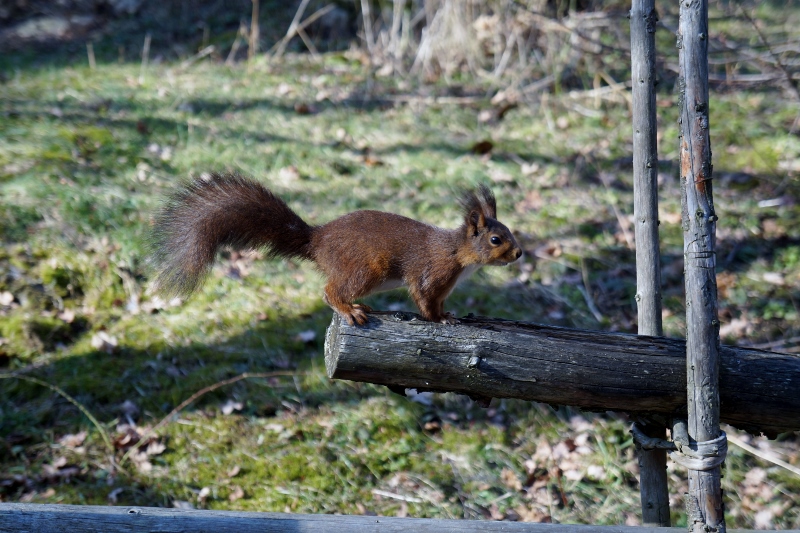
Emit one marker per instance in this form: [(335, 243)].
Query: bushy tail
[(207, 213)]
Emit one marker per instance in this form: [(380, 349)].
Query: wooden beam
[(492, 358), (46, 518)]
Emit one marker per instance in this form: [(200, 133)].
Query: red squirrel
[(360, 253)]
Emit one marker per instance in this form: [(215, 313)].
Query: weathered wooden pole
[(704, 501), (652, 463), (50, 518)]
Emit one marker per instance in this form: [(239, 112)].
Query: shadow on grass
[(146, 384), (143, 386), (134, 118)]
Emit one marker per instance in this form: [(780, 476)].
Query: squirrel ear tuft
[(482, 201), (488, 201)]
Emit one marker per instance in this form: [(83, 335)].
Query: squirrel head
[(492, 242)]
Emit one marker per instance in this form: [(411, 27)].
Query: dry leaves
[(409, 488), (104, 342), (482, 147), (156, 303), (736, 328), (303, 108), (73, 441), (67, 315), (498, 175), (6, 298), (288, 176), (129, 435), (510, 479), (59, 468), (725, 282), (237, 493), (369, 159), (570, 459), (230, 406)]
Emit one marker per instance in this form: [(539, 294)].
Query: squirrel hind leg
[(354, 314), (432, 310), (447, 317)]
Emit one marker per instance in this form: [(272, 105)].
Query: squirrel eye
[(495, 240)]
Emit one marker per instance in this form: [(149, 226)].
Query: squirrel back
[(218, 210)]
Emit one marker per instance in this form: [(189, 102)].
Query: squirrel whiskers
[(359, 253)]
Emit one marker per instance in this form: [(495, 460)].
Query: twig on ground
[(145, 58), (255, 32), (366, 15), (780, 343), (763, 455), (70, 399), (208, 50), (234, 49), (587, 295), (90, 54), (281, 45), (307, 41), (394, 496)]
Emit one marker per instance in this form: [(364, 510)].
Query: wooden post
[(704, 500), (652, 463)]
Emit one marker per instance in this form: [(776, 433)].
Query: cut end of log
[(332, 346)]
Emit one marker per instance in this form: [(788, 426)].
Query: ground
[(91, 359)]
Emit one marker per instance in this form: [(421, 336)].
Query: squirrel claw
[(450, 318), (358, 315)]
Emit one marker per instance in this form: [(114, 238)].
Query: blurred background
[(106, 105)]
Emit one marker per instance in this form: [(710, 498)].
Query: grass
[(87, 154)]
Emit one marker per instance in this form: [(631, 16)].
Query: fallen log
[(591, 370)]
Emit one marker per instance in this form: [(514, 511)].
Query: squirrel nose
[(518, 253)]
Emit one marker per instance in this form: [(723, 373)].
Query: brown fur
[(359, 253)]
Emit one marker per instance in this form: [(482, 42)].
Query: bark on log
[(596, 371)]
